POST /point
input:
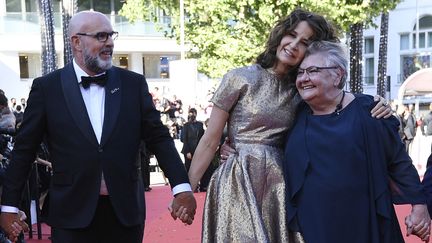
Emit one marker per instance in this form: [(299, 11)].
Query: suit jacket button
[(100, 150)]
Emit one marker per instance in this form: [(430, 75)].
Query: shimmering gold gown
[(246, 195)]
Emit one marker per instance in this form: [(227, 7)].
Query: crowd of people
[(292, 167)]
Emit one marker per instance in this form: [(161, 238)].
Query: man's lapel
[(113, 94), (75, 103)]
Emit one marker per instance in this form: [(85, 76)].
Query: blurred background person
[(427, 124), (23, 103), (19, 114), (191, 134), (13, 104), (410, 129)]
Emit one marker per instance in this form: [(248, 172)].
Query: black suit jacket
[(56, 109), (191, 135)]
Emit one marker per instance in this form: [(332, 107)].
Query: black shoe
[(147, 189)]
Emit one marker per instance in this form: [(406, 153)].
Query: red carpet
[(161, 228)]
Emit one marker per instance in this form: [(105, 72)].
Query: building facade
[(140, 47), (409, 46)]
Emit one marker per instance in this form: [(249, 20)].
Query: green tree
[(224, 34)]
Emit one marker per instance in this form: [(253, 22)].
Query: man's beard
[(96, 64)]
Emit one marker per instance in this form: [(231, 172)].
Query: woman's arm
[(382, 109), (207, 146)]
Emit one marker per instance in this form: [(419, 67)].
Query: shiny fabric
[(246, 196)]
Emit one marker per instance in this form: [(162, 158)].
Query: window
[(84, 5), (24, 72), (31, 6), (422, 41), (414, 38), (105, 7), (369, 45), (429, 39), (30, 66), (102, 6), (404, 42), (13, 6), (164, 67), (121, 61), (369, 61), (411, 64), (157, 66), (151, 66), (425, 22), (369, 71)]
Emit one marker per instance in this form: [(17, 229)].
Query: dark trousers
[(104, 228), (205, 179), (187, 163), (145, 172), (408, 143)]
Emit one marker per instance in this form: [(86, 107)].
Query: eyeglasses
[(310, 71), (101, 36)]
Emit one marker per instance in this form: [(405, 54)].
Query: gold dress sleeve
[(229, 91)]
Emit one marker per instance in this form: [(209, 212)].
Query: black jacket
[(56, 109)]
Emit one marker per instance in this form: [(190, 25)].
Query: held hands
[(418, 222), (382, 109), (183, 206), (13, 224)]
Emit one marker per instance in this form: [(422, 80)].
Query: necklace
[(339, 106)]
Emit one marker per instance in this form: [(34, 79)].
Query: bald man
[(94, 116)]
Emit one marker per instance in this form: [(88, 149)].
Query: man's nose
[(109, 41)]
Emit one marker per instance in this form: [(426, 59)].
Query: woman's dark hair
[(322, 30)]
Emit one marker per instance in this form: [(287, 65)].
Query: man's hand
[(13, 224), (226, 150), (183, 206), (418, 222)]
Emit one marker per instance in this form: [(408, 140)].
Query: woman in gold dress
[(246, 196)]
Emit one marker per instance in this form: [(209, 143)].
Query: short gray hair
[(334, 54)]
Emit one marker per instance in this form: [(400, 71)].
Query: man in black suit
[(192, 132), (93, 134)]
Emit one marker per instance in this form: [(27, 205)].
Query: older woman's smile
[(308, 87)]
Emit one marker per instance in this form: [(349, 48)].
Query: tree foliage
[(224, 34)]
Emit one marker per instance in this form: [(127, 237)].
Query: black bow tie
[(99, 80)]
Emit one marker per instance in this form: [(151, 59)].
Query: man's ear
[(76, 43)]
